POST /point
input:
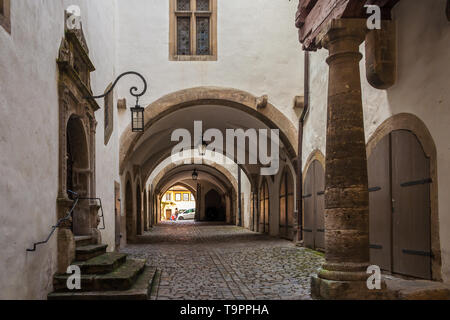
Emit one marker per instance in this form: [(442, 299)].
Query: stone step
[(139, 291), (102, 264), (81, 241), (84, 253), (120, 279)]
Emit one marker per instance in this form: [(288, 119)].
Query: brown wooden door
[(411, 206), (290, 205), (309, 204), (319, 190), (314, 207), (380, 205), (399, 185), (287, 206)]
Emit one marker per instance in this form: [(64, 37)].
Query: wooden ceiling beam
[(312, 15)]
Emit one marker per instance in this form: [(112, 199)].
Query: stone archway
[(411, 123), (236, 99)]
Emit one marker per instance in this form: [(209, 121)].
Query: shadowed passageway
[(217, 261)]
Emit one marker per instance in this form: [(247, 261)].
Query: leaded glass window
[(203, 36), (202, 5), (193, 30), (183, 5), (184, 36)]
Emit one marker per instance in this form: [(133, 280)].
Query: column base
[(345, 290)]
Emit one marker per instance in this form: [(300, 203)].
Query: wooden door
[(411, 242), (380, 226), (399, 186), (319, 190), (314, 207), (290, 205), (309, 207)]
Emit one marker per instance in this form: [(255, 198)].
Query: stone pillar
[(343, 275)]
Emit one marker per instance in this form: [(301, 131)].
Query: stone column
[(343, 275)]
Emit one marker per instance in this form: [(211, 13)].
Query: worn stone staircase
[(106, 276)]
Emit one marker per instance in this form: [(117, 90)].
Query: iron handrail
[(67, 217), (101, 209)]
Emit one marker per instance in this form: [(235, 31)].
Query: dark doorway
[(78, 174), (400, 217), (215, 210), (314, 207), (129, 211)]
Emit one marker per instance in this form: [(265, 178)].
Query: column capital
[(339, 29)]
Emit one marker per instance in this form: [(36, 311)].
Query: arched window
[(193, 30)]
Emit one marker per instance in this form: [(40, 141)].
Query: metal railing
[(67, 217)]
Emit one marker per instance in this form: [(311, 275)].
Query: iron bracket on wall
[(416, 182), (417, 253)]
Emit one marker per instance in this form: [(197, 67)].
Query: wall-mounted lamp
[(195, 175), (137, 113), (202, 147)]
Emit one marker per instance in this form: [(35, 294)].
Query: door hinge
[(416, 182)]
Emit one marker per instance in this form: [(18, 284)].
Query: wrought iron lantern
[(137, 118), (137, 113), (195, 175), (202, 147)]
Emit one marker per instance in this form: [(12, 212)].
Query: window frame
[(5, 17), (178, 196), (193, 14), (186, 196)]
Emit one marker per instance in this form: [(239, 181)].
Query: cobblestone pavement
[(201, 261)]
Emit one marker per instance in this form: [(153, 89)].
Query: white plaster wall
[(258, 51), (29, 136), (421, 89)]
